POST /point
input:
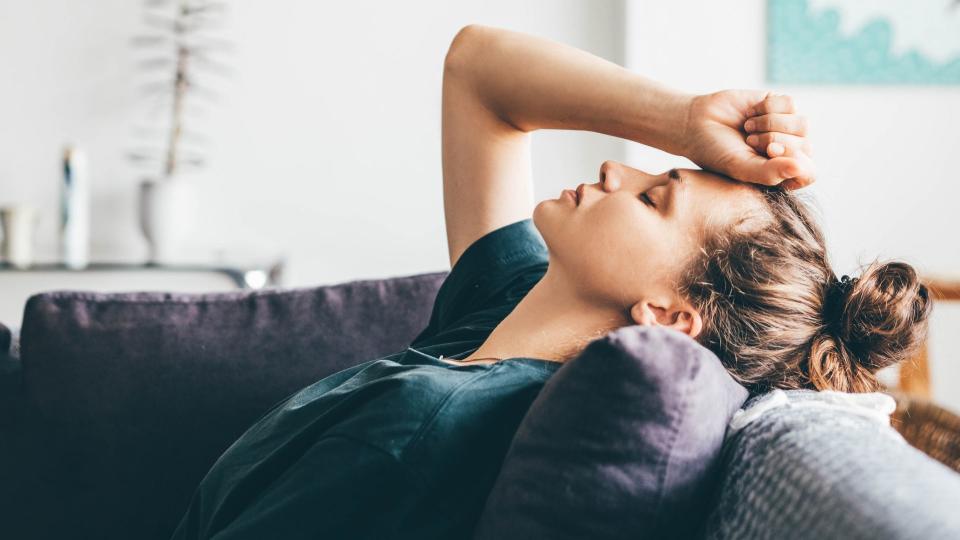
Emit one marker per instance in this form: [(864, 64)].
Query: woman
[(408, 446)]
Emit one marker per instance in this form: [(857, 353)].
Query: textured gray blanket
[(802, 471)]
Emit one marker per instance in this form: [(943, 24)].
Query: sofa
[(113, 406)]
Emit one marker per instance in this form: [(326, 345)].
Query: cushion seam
[(675, 432)]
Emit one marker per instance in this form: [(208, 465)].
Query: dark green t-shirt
[(406, 446)]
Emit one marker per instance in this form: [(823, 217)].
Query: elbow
[(460, 50)]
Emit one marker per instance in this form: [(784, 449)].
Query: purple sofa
[(114, 406), (119, 403)]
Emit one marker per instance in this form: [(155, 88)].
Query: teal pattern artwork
[(863, 41)]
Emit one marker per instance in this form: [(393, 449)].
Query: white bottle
[(75, 210)]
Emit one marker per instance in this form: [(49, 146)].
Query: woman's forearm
[(534, 83)]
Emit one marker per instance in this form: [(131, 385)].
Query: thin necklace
[(474, 360)]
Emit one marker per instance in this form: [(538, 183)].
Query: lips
[(579, 192)]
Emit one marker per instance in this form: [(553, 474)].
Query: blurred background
[(311, 142)]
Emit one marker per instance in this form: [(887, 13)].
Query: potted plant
[(180, 48)]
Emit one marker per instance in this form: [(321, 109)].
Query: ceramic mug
[(19, 222)]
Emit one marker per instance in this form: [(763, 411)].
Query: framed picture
[(863, 41)]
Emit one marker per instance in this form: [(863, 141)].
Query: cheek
[(618, 227), (607, 247)]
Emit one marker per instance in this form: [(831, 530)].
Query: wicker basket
[(929, 427)]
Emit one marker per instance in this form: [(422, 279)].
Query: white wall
[(888, 184), (325, 144)]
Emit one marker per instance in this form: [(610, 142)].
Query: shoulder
[(488, 280)]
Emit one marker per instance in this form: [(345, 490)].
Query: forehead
[(714, 200)]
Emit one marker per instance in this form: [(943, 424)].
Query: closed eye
[(647, 200)]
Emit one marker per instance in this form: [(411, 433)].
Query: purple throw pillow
[(622, 442)]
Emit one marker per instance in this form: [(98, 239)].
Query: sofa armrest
[(10, 391), (5, 338)]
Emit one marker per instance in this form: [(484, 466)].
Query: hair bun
[(882, 315)]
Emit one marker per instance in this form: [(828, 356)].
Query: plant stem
[(180, 84)]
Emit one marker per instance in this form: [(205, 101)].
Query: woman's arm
[(532, 83), (499, 85)]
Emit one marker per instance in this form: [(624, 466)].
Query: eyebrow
[(674, 174)]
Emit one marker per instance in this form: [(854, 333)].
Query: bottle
[(75, 210)]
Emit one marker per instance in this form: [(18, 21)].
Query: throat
[(548, 324)]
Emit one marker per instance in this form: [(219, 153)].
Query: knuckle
[(785, 122), (773, 123), (777, 122)]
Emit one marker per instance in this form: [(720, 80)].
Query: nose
[(610, 173), (616, 176)]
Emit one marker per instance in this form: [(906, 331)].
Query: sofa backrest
[(127, 399)]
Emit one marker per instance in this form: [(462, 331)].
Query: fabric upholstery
[(818, 472), (10, 395), (129, 398), (622, 442), (5, 338)]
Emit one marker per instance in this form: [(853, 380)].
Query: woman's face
[(629, 236)]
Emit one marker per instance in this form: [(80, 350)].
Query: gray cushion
[(812, 473), (622, 442)]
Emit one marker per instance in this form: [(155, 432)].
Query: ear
[(682, 316)]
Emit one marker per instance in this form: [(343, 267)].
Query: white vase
[(168, 213)]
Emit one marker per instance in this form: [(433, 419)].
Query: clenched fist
[(750, 135)]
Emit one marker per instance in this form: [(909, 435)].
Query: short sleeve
[(495, 272)]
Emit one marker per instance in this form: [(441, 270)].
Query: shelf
[(18, 284)]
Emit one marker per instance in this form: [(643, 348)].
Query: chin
[(543, 218), (538, 214)]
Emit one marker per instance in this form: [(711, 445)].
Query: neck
[(551, 323)]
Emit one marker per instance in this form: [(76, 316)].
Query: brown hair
[(777, 316)]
